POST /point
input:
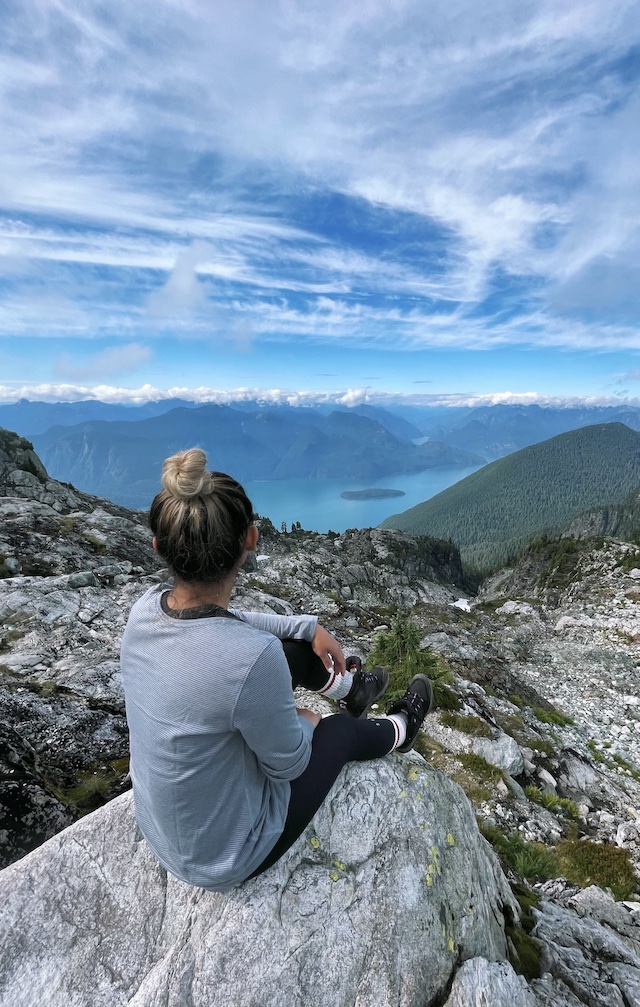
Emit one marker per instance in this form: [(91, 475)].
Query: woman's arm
[(300, 627), (285, 627), (266, 717)]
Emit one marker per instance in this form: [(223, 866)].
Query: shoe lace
[(416, 703)]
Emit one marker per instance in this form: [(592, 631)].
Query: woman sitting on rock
[(226, 771)]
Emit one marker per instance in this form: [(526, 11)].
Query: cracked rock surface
[(392, 872)]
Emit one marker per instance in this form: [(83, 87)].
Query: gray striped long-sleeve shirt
[(215, 736)]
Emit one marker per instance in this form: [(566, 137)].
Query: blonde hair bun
[(185, 475)]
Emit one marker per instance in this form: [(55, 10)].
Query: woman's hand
[(328, 650), (315, 718)]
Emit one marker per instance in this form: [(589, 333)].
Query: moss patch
[(95, 785), (476, 764), (468, 725), (9, 637), (607, 866), (525, 951), (275, 590), (66, 526), (477, 777), (97, 546)]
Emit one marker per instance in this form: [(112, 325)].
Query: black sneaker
[(367, 688), (415, 704)]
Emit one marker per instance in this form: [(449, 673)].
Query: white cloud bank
[(277, 396)]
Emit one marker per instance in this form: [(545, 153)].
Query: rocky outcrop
[(71, 565), (363, 566), (385, 893), (597, 964), (48, 528), (555, 636)]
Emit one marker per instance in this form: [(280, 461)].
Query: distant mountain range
[(116, 450), (496, 431), (31, 418), (122, 460), (490, 431), (492, 513)]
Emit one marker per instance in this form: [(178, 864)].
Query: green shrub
[(606, 866), (630, 561), (468, 725), (399, 650), (445, 698)]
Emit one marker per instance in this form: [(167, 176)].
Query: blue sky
[(341, 199)]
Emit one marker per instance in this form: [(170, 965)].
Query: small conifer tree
[(399, 650)]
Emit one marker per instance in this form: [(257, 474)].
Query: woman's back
[(214, 739)]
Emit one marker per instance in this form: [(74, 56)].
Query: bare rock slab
[(479, 983), (390, 887)]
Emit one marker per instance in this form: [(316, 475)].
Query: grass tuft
[(532, 861), (552, 717), (552, 802)]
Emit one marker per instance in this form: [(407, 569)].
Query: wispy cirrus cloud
[(406, 174)]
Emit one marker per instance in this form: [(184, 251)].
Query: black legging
[(336, 741)]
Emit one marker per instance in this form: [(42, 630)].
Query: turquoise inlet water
[(318, 506)]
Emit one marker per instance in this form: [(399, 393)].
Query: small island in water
[(372, 494)]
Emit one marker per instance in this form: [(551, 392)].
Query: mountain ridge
[(492, 513)]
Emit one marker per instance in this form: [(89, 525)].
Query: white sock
[(338, 685), (400, 723)]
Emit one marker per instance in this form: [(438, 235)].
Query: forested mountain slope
[(494, 512)]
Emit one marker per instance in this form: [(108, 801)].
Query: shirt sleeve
[(285, 627), (265, 715)]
